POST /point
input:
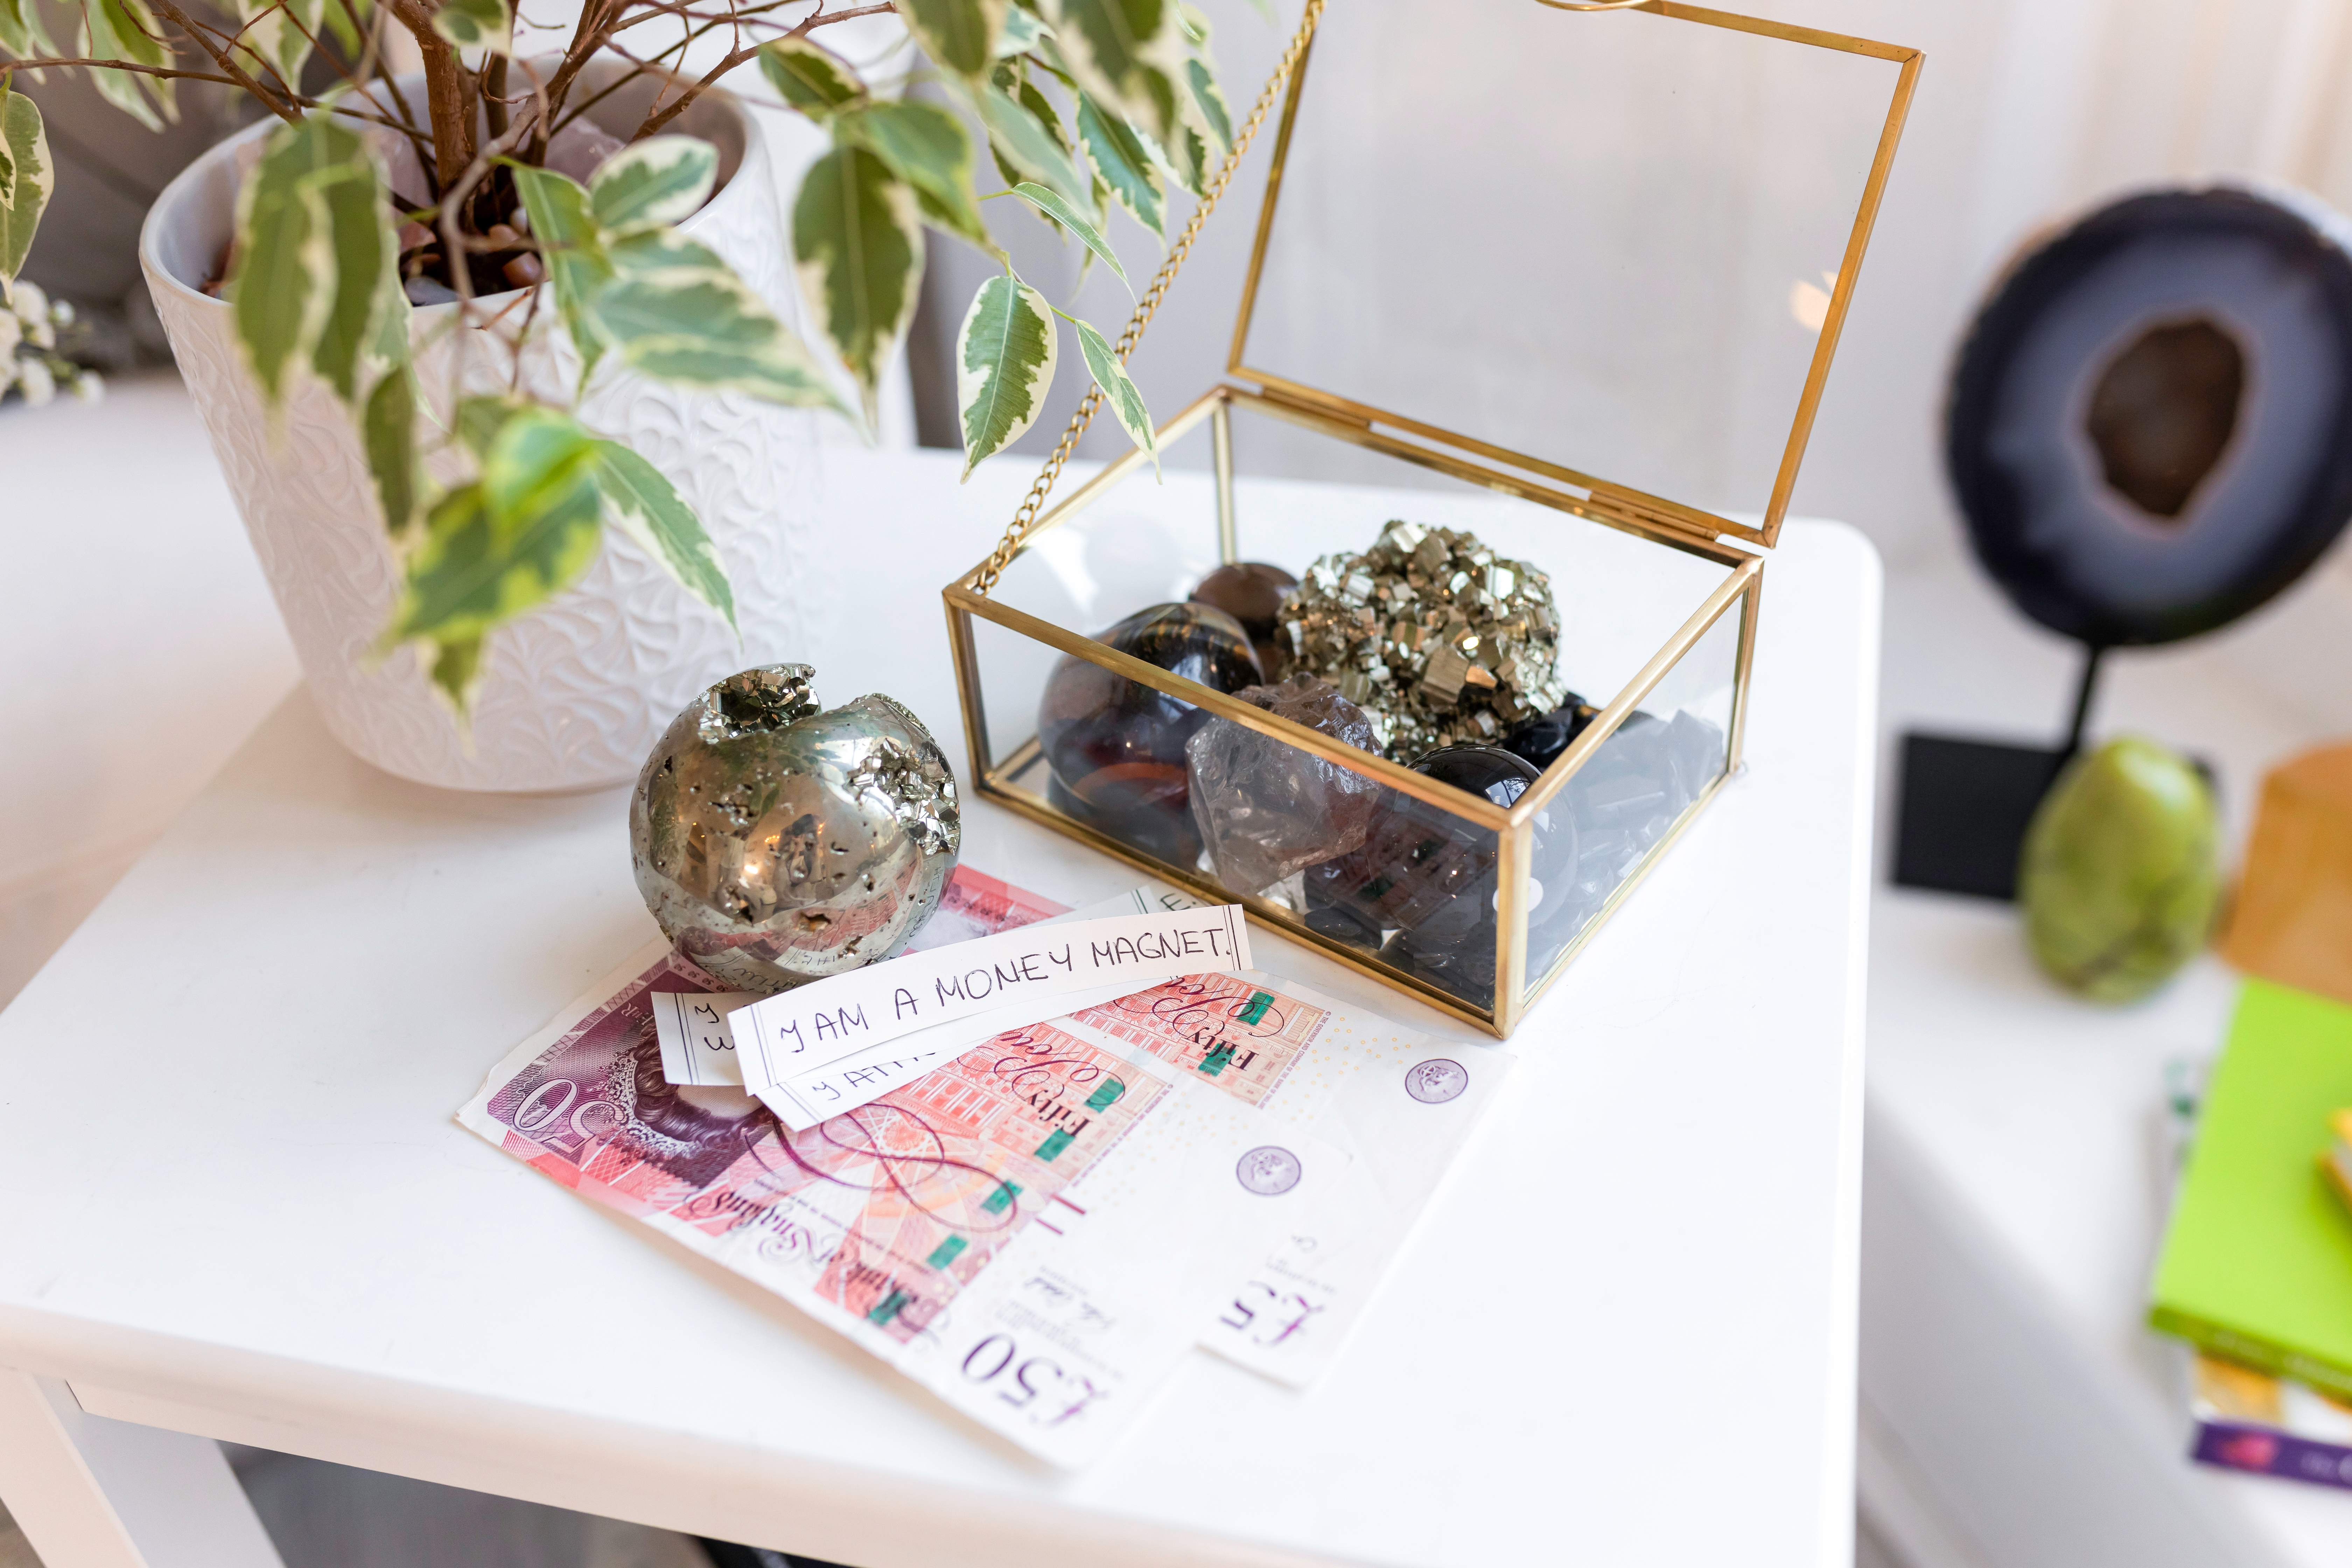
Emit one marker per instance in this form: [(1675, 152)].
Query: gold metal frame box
[(1698, 199)]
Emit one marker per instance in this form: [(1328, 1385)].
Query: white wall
[(2026, 110)]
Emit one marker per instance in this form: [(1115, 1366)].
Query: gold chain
[(1026, 517)]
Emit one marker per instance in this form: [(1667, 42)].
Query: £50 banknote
[(1035, 1231)]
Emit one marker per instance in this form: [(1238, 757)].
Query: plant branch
[(658, 119), (42, 62), (236, 73)]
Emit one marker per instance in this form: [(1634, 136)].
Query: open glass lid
[(1615, 250)]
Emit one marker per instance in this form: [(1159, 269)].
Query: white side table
[(2015, 1413), (241, 1210)]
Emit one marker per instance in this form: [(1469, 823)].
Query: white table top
[(2036, 1114), (263, 1223)]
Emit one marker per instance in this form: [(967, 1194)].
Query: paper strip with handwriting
[(1034, 1233), (696, 1046), (813, 1027), (811, 1094)]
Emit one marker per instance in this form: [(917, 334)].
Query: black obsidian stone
[(1252, 593), (1421, 890), (1115, 747), (2149, 427), (1541, 740)]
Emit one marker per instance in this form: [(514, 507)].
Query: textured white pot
[(574, 694)]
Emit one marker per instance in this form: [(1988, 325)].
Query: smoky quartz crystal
[(1115, 747), (1422, 892), (1266, 808), (778, 843), (1252, 593)]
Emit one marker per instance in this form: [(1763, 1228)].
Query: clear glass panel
[(1617, 809), (1402, 882), (1646, 310)]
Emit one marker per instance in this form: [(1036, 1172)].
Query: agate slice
[(2149, 429)]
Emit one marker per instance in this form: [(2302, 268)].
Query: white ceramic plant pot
[(574, 694)]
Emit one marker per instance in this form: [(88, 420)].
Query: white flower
[(62, 312), (11, 334), (28, 300), (91, 386), (39, 385)]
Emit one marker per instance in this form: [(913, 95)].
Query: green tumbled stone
[(2121, 870)]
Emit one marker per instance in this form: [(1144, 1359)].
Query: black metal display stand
[(1965, 805)]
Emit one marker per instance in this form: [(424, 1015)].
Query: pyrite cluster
[(777, 842), (1435, 635)]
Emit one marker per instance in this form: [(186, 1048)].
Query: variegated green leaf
[(926, 146), (1189, 167), (476, 23), (348, 208), (347, 24), (479, 420), (1119, 389), (1130, 54), (1124, 164), (705, 327), (810, 77), (127, 30), (21, 31), (1194, 22), (32, 176), (1027, 149), (1022, 30), (509, 542), (860, 250), (572, 251), (455, 668), (959, 35), (1061, 212), (280, 35), (645, 506), (652, 183), (388, 432), (661, 250), (1004, 363), (1208, 102), (281, 281)]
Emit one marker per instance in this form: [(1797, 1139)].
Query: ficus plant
[(489, 191)]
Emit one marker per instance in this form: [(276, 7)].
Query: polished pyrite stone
[(1115, 747), (1421, 890), (776, 843), (1252, 593), (1439, 638), (1265, 808)]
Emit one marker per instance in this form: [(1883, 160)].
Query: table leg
[(93, 1493)]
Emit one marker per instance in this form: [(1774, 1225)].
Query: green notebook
[(2257, 1264)]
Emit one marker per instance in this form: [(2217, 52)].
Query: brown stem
[(493, 94), (595, 25), (39, 62), (661, 117), (448, 94), (229, 68)]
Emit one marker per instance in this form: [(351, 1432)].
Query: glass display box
[(1562, 520)]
